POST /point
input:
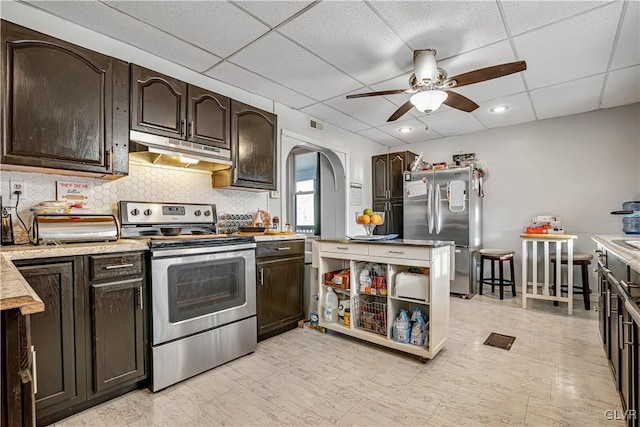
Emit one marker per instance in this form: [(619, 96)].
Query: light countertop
[(626, 254), (15, 292), (408, 242), (269, 238)]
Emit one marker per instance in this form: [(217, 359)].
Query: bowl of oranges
[(369, 219)]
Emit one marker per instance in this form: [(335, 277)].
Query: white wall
[(578, 167), (358, 166)]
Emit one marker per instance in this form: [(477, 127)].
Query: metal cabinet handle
[(191, 129), (396, 252), (262, 276), (620, 333), (344, 248), (598, 308), (34, 367), (608, 302), (183, 127), (140, 298), (629, 284), (286, 248), (599, 253), (114, 267), (630, 334)]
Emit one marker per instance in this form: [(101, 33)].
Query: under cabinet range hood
[(165, 151)]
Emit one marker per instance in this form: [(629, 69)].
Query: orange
[(376, 219), (364, 219)]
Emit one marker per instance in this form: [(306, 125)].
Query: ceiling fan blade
[(401, 111), (424, 64), (459, 102), (488, 73), (382, 92)]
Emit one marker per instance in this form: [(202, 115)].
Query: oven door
[(192, 293)]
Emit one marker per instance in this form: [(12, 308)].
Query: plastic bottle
[(314, 316), (330, 306)]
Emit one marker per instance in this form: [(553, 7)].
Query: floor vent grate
[(501, 341)]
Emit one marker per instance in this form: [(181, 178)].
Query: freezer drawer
[(464, 281)]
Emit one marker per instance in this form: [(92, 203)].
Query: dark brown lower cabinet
[(280, 277), (117, 334), (91, 342), (57, 335)]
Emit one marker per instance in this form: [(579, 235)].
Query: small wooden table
[(545, 239)]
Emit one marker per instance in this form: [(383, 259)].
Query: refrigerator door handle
[(430, 207), (437, 208), (454, 251)]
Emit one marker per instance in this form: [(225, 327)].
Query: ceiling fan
[(429, 84)]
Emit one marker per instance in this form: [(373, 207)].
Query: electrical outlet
[(274, 194), (15, 185)]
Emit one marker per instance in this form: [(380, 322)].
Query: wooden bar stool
[(499, 255), (583, 260)]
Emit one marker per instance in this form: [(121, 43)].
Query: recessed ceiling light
[(499, 109), (405, 130)]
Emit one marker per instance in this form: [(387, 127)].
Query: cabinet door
[(208, 115), (394, 221), (280, 284), (158, 103), (381, 206), (379, 171), (57, 335), (625, 357), (397, 167), (117, 328), (253, 145), (63, 107), (614, 341)]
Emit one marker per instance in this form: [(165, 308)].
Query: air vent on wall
[(316, 125)]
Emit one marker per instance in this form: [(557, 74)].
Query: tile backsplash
[(144, 183)]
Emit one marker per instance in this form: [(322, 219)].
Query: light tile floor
[(555, 374)]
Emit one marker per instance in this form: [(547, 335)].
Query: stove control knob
[(135, 212), (207, 213), (197, 213), (147, 212)]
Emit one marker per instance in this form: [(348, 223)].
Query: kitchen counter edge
[(406, 242), (629, 256), (15, 291)]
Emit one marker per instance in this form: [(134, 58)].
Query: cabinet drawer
[(345, 248), (394, 251), (281, 248), (115, 265)]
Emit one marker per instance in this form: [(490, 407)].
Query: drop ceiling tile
[(239, 77), (628, 50), (419, 132), (273, 12), (105, 20), (571, 49), (522, 16), (373, 111), (573, 97), (622, 88), (218, 27), (380, 137), (353, 38), (519, 111), (294, 67), (335, 117), (498, 53), (452, 122), (449, 27)]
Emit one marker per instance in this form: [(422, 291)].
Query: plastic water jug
[(330, 306)]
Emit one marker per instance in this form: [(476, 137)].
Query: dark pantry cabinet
[(91, 340), (280, 276), (387, 174), (165, 106), (64, 107)]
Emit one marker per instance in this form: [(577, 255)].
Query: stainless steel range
[(203, 288)]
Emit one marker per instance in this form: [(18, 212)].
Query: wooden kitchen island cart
[(365, 276)]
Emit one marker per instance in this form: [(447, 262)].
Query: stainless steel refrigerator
[(446, 205)]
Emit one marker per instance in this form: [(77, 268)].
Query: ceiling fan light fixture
[(428, 100), (499, 109), (405, 129)]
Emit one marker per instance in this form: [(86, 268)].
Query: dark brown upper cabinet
[(165, 106), (64, 107), (254, 136)]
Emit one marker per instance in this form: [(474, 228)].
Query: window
[(306, 192)]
